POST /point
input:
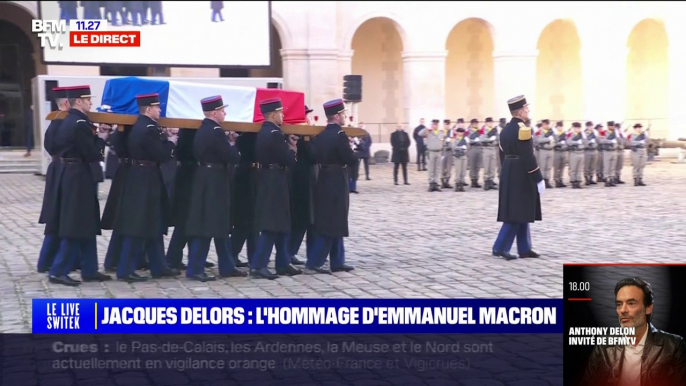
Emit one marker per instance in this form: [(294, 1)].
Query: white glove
[(541, 187), (614, 141), (492, 138), (476, 139)]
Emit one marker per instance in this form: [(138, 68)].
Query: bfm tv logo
[(83, 33)]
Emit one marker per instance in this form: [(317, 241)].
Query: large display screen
[(172, 33)]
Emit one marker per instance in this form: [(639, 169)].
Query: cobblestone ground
[(405, 243)]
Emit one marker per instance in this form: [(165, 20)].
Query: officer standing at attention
[(610, 154), (434, 145), (143, 212), (474, 156), (490, 147), (600, 166), (209, 214), (621, 142), (544, 141), (639, 155), (577, 147), (460, 149), (331, 197), (77, 210), (51, 242), (447, 156), (521, 184), (275, 154), (560, 154), (591, 154)]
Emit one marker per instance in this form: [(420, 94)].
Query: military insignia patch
[(524, 132)]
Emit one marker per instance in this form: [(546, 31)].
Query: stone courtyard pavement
[(405, 243)]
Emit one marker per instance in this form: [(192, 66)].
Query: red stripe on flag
[(293, 104)]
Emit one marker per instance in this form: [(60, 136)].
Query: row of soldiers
[(264, 188)]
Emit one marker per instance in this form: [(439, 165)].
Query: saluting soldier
[(600, 165), (331, 197), (591, 154), (460, 149), (609, 143), (621, 143), (576, 143), (143, 213), (489, 141), (51, 242), (544, 141), (77, 211), (520, 185), (118, 140), (639, 153), (434, 146), (275, 154), (474, 155), (209, 214), (560, 154), (446, 156)]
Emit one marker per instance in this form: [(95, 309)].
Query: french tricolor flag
[(179, 99)]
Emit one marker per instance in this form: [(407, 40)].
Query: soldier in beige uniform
[(560, 154), (489, 141), (446, 156), (474, 154), (609, 143), (544, 142), (600, 165), (460, 148), (433, 140), (591, 155), (621, 143), (576, 144), (639, 154)]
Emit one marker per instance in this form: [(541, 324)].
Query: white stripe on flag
[(184, 100)]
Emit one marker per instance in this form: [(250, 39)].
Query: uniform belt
[(147, 164), (433, 150), (186, 163), (511, 156), (271, 166), (214, 165), (332, 166), (248, 165), (72, 160)]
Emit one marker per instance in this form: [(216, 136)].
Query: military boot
[(640, 182), (590, 179), (548, 185), (600, 178), (635, 181), (475, 183), (460, 188)]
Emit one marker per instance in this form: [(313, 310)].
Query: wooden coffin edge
[(186, 123)]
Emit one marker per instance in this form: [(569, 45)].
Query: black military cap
[(59, 92), (539, 124), (610, 123), (638, 125), (460, 129), (576, 124), (435, 121), (545, 121), (213, 103), (270, 105), (308, 110), (79, 92), (517, 103), (489, 119), (559, 124), (503, 120), (334, 107), (460, 120), (589, 123), (148, 100), (474, 120), (618, 124), (446, 121)]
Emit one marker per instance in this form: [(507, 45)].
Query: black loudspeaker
[(274, 85), (49, 85), (352, 88)]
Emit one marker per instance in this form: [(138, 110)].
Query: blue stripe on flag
[(120, 93)]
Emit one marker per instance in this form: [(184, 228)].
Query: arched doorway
[(469, 75), (377, 56), (647, 77), (17, 68), (558, 73)]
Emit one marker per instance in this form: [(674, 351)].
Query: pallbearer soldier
[(460, 149), (621, 142), (209, 214), (489, 141), (143, 212), (51, 242), (610, 154), (243, 211), (600, 165), (446, 156), (76, 211), (520, 185), (434, 138), (331, 197), (577, 145), (560, 155), (639, 154), (275, 154), (474, 156), (591, 154), (544, 141)]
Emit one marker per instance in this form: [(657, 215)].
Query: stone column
[(324, 82), (677, 81), (515, 74), (296, 71), (424, 78)]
